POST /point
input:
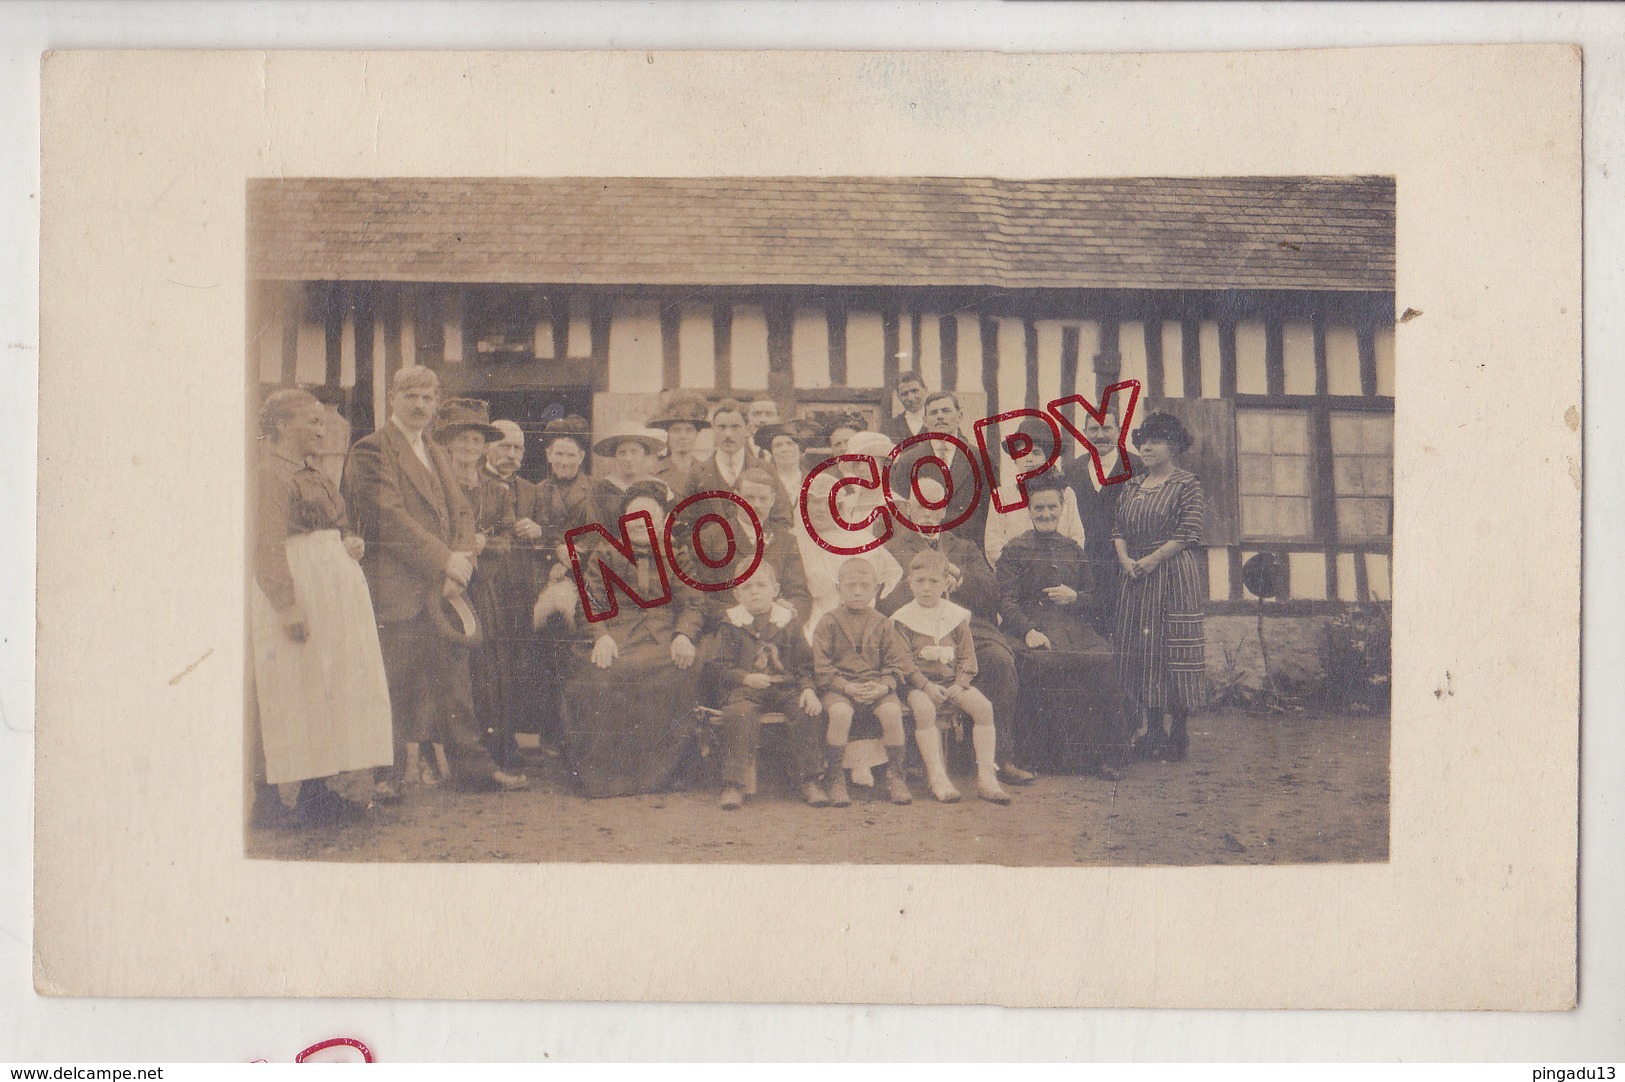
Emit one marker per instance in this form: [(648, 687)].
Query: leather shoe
[(509, 783), (1013, 774)]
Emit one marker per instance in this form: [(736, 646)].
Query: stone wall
[(1294, 644)]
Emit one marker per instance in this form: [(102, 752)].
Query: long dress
[(323, 703), (1159, 627), (626, 729), (501, 595), (1074, 714)]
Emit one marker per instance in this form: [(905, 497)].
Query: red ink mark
[(1026, 444), (673, 553), (334, 1042), (1099, 416), (913, 489), (608, 575), (871, 483), (875, 476)]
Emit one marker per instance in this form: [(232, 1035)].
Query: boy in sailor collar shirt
[(765, 666), (938, 635)]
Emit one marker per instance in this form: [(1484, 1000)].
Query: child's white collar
[(778, 616), (935, 622)]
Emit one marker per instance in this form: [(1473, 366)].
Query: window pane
[(1252, 431), (1291, 475), (1258, 516), (1362, 519), (1347, 434), (1256, 476), (1347, 473), (1379, 476), (1291, 517), (1289, 432), (1350, 518), (1379, 436)]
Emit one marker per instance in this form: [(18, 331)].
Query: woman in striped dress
[(1160, 656)]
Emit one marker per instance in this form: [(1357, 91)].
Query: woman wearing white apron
[(318, 673)]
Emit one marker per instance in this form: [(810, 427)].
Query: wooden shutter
[(1212, 458)]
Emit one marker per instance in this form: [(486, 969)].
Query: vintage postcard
[(893, 513)]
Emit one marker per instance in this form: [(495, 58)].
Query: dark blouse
[(1032, 563), (294, 498)]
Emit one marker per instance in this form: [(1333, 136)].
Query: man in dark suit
[(968, 500), (1097, 508), (911, 422), (734, 451), (419, 533), (523, 578)]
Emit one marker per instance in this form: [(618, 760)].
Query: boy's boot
[(896, 784), (835, 777)]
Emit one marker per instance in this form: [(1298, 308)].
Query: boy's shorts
[(833, 697)]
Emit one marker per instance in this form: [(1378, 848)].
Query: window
[(1363, 475), (1273, 452)]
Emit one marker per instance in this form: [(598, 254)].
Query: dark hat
[(652, 442), (459, 415), (800, 431), (452, 617), (846, 420), (1164, 427), (570, 427), (648, 489), (687, 408)]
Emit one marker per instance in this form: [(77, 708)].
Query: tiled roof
[(1322, 233)]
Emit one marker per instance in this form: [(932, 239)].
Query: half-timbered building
[(1259, 309)]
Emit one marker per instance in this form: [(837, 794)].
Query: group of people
[(419, 617)]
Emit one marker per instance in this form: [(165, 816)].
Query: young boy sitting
[(938, 635), (765, 666), (858, 660)]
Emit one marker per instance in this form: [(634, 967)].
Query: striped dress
[(1160, 657)]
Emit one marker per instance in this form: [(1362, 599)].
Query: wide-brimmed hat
[(652, 442), (800, 431), (1165, 427), (452, 617), (569, 427), (459, 415), (683, 409)]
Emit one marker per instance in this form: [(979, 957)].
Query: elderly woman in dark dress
[(1074, 717), (633, 686), (501, 589), (319, 675), (1160, 642)]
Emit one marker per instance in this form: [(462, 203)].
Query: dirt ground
[(1253, 791)]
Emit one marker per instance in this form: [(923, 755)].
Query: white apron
[(324, 703)]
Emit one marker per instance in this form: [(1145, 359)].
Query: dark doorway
[(532, 410)]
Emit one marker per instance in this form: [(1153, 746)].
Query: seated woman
[(318, 673), (632, 687), (1002, 526), (1073, 712), (501, 588)]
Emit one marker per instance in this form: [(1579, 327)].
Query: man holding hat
[(419, 534)]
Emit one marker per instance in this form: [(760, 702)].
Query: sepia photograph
[(820, 520)]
